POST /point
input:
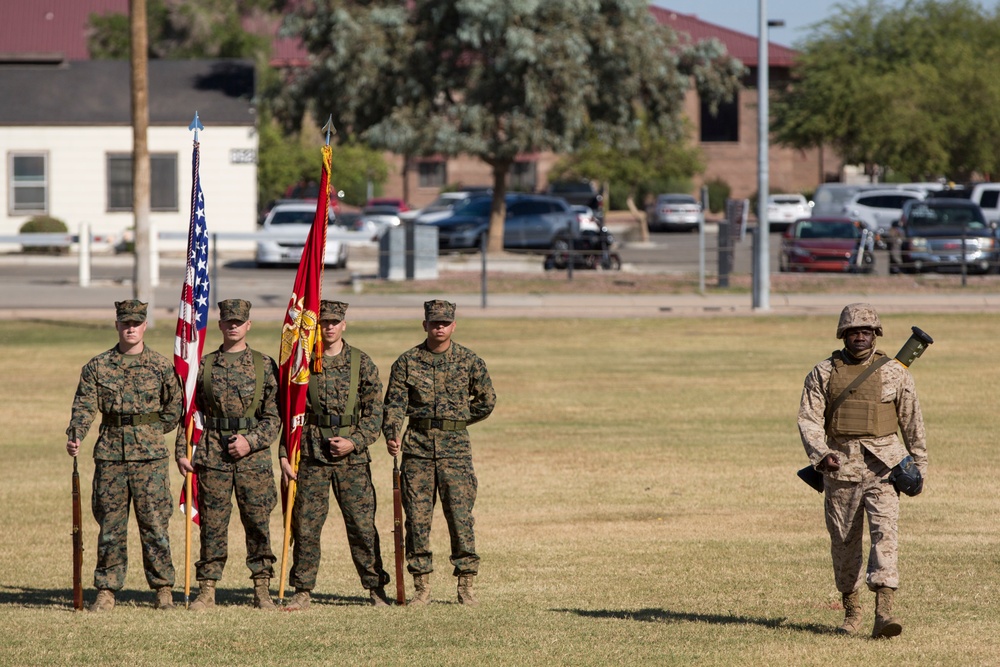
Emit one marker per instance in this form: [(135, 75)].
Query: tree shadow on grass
[(667, 616)]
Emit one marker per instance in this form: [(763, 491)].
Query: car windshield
[(476, 207), (292, 217), (571, 187), (946, 216), (827, 230), (678, 199), (787, 200)]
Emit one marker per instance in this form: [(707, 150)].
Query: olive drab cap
[(439, 311), (858, 315), (132, 310), (332, 310), (234, 309)]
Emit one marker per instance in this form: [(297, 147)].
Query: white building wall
[(78, 186)]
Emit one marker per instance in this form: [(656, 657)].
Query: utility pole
[(142, 277)]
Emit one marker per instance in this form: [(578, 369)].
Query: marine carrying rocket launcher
[(914, 346)]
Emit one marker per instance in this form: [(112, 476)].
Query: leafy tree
[(498, 78), (900, 87)]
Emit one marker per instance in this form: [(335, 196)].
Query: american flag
[(192, 318)]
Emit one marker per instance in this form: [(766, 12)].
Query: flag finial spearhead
[(329, 129), (196, 125)]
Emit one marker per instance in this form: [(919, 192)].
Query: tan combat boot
[(262, 595), (465, 594), (165, 597), (885, 625), (377, 598), (299, 602), (206, 596), (421, 589), (105, 600), (852, 614)]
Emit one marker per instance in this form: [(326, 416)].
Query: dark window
[(29, 183), (522, 176), (433, 174), (989, 198), (530, 207), (723, 126), (163, 182)]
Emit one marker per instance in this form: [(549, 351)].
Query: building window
[(523, 176), (433, 173), (723, 126), (163, 186), (29, 183)]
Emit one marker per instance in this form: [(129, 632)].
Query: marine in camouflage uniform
[(442, 387), (234, 455), (856, 448), (335, 454), (138, 395)]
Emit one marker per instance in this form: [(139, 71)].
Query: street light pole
[(762, 265)]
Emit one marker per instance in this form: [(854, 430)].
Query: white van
[(987, 195)]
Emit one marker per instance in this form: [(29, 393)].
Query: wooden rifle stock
[(397, 533), (77, 541)]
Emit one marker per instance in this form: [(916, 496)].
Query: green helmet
[(857, 315)]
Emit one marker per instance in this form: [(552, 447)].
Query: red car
[(827, 244), (388, 202)]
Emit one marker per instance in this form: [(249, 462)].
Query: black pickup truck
[(578, 193)]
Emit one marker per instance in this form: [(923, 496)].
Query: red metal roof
[(738, 44)]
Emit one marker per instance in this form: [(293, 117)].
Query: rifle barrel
[(397, 533), (77, 540)]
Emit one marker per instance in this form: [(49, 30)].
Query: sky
[(743, 15)]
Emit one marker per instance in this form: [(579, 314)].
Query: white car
[(878, 209), (783, 210), (295, 219)]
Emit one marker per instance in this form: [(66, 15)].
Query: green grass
[(638, 505)]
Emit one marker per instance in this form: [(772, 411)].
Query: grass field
[(638, 505)]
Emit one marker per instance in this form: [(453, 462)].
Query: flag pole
[(292, 444), (188, 486)]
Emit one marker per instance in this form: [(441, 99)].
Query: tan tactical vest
[(863, 413)]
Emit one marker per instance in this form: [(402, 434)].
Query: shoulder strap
[(867, 373), (258, 390), (206, 383), (352, 394)]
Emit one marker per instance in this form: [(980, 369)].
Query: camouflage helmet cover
[(858, 315)]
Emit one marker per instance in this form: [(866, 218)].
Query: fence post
[(84, 258)]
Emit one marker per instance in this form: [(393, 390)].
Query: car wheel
[(560, 245)]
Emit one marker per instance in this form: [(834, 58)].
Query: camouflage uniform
[(219, 474), (435, 391), (350, 476), (131, 460), (862, 484)]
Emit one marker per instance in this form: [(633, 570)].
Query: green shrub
[(718, 193), (44, 224)]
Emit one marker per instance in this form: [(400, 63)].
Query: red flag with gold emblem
[(300, 339)]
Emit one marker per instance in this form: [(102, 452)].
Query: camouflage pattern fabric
[(251, 477), (421, 482), (332, 389), (256, 497), (147, 483), (355, 494), (846, 504), (453, 385), (233, 385), (861, 485), (349, 476), (120, 384)]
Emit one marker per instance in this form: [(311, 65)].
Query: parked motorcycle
[(590, 250)]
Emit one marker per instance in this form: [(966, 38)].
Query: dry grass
[(638, 505)]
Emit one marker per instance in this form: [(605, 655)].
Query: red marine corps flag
[(301, 344)]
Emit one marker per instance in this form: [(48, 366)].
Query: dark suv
[(931, 234), (581, 193), (534, 222)]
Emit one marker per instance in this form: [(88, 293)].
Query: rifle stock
[(77, 541), (397, 533)]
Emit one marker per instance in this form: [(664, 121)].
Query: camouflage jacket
[(233, 386), (453, 385), (115, 384), (332, 387), (897, 387)]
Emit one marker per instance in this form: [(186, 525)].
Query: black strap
[(441, 424), (109, 419), (865, 374)]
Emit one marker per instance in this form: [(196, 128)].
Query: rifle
[(910, 352), (397, 533), (77, 541)]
